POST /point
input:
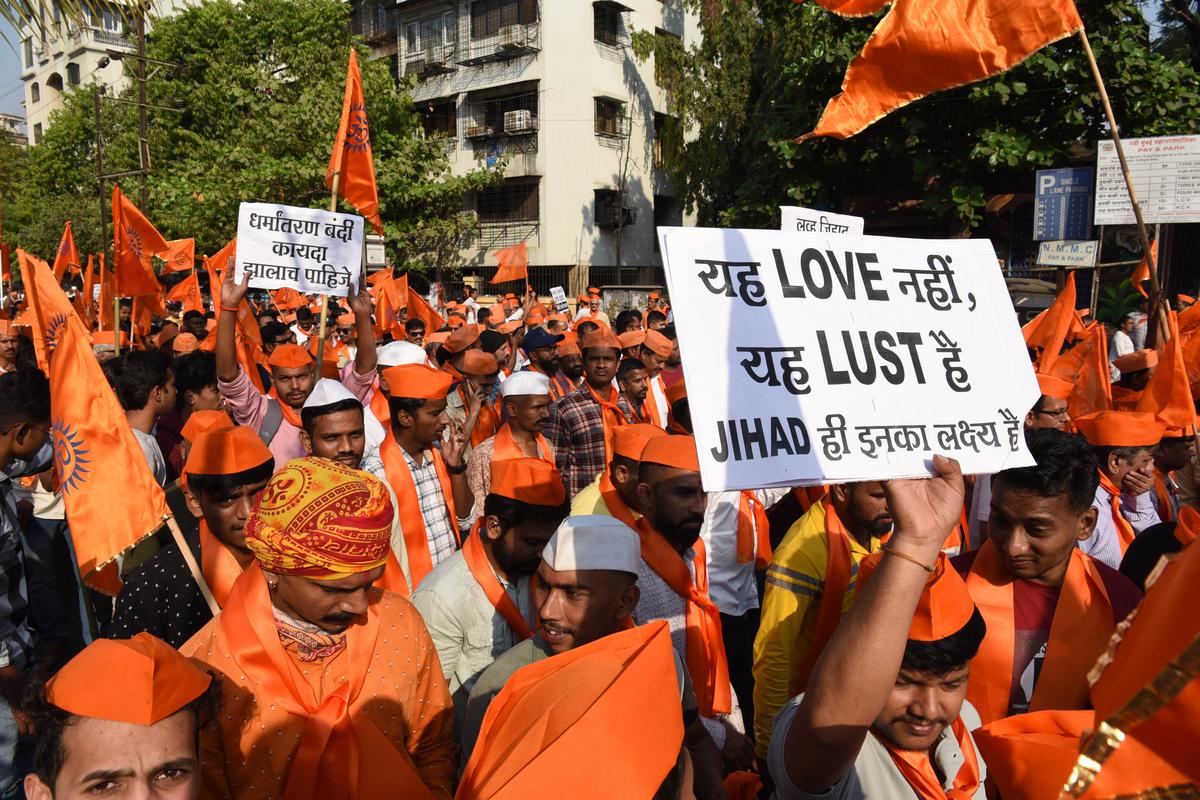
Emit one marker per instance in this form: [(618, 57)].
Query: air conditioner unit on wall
[(512, 37), (519, 121)]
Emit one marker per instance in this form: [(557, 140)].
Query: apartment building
[(552, 90)]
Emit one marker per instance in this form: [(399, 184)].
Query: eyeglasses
[(1062, 413)]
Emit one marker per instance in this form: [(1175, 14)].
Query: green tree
[(766, 68), (259, 93)]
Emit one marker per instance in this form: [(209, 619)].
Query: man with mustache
[(526, 399), (477, 603), (330, 686)]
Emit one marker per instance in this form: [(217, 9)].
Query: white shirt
[(472, 310), (301, 336), (1121, 345), (153, 454), (660, 399), (1104, 544), (731, 585)]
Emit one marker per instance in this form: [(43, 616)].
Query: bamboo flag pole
[(117, 321), (333, 195), (192, 566)]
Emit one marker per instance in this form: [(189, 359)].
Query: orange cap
[(477, 362), (169, 331), (675, 392), (653, 296), (202, 422), (1121, 428), (536, 315), (185, 343), (672, 451), (226, 451), (1055, 387), (529, 480), (510, 327), (437, 337), (556, 317), (630, 440), (592, 290), (456, 322), (6, 327), (658, 344), (945, 605), (345, 320), (630, 339), (463, 337), (1185, 298), (417, 381), (1137, 360), (141, 681), (601, 338), (289, 356), (568, 347)]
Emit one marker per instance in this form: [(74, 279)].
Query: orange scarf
[(556, 390), (505, 446), (290, 414), (753, 529), (481, 571), (337, 736), (705, 648), (650, 406), (218, 565), (1166, 510), (412, 521), (612, 500), (611, 416), (833, 590), (918, 770), (485, 424), (1125, 532), (379, 406), (1079, 633)]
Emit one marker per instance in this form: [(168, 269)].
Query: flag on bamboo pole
[(1142, 271), (180, 255), (287, 299), (921, 47), (111, 498), (1169, 394), (83, 301), (66, 256), (1086, 366), (187, 291), (512, 264), (351, 158), (419, 309), (135, 242), (107, 320), (1051, 333), (39, 327)]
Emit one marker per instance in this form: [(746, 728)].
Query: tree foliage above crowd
[(258, 93), (764, 70)]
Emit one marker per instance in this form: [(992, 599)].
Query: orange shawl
[(379, 406), (486, 423), (612, 500), (1125, 532), (1083, 622), (705, 648), (918, 770), (505, 446), (290, 414), (219, 567), (610, 414), (1166, 511), (481, 571), (833, 591), (412, 521), (650, 411), (753, 528)]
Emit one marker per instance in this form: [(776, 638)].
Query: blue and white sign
[(1063, 209)]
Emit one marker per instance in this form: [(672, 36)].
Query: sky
[(10, 71)]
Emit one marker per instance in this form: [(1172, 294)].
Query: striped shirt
[(576, 432)]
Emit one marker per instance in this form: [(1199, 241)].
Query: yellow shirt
[(794, 583), (590, 501)]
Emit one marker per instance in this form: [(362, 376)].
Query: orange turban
[(202, 421), (417, 381), (672, 451), (1054, 387), (226, 451), (945, 605), (1121, 428), (630, 339), (477, 362), (556, 317), (320, 519), (630, 440), (601, 338), (559, 716), (185, 343), (529, 480), (289, 356), (462, 338), (675, 392), (1137, 361), (658, 344), (141, 681)]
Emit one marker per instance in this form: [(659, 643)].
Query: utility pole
[(143, 143)]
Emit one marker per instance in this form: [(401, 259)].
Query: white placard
[(559, 295), (313, 251), (1068, 254), (1166, 176), (808, 220), (814, 358)]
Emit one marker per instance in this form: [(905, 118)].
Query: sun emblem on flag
[(64, 248), (70, 457), (358, 132), (133, 241), (55, 329)]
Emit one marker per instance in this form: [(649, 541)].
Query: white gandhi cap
[(593, 541), (396, 354), (525, 382), (327, 392)]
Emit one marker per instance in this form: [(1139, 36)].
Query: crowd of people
[(467, 552)]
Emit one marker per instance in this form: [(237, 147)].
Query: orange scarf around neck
[(481, 571), (412, 520), (506, 447), (611, 416), (1125, 532), (917, 768), (837, 583), (291, 415), (753, 532), (219, 566)]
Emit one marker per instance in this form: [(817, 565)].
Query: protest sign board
[(306, 249), (560, 299), (1063, 204), (1166, 176), (808, 220), (814, 359), (1068, 254)]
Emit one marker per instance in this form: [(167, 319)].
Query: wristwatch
[(459, 470)]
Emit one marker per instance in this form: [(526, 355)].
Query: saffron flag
[(850, 8), (135, 242), (107, 319), (287, 299), (111, 499), (1169, 393), (1142, 271), (1086, 366), (187, 291), (351, 160), (180, 255), (512, 264), (84, 304), (67, 256), (419, 309), (35, 282), (921, 47), (1051, 333)]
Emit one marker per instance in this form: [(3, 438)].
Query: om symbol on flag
[(358, 132), (70, 457)]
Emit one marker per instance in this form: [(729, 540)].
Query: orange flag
[(287, 299), (36, 281), (83, 301), (1169, 394), (180, 255), (512, 264), (1051, 332), (921, 47), (135, 241), (187, 291), (1086, 366), (67, 255), (1142, 271), (220, 260), (107, 321), (419, 309), (351, 159), (111, 499)]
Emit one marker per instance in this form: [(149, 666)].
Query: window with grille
[(610, 117), (516, 200), (489, 16), (606, 23), (73, 74), (513, 112), (440, 118)]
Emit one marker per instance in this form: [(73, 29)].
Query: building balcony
[(431, 61), (81, 39), (511, 42)]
